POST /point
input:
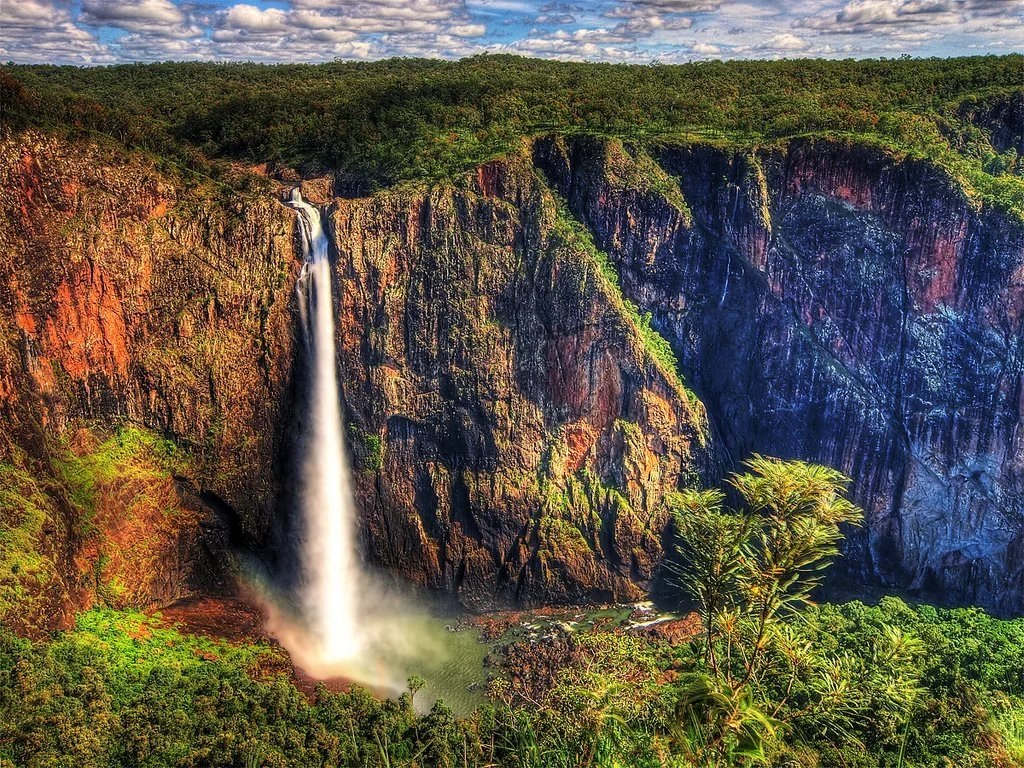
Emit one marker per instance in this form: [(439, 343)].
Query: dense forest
[(121, 690), (761, 677), (375, 124)]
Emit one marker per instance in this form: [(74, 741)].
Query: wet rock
[(512, 421)]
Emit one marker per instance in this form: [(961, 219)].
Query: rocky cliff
[(516, 422), (134, 296), (520, 350), (834, 303)]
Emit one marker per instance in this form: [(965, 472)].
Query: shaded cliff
[(833, 303)]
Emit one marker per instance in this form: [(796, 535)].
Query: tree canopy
[(374, 124)]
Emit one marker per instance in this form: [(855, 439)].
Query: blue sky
[(670, 31)]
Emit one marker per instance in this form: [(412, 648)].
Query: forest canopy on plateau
[(376, 124)]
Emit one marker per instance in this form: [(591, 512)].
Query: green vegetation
[(375, 124), (130, 456), (561, 539), (571, 515), (101, 516), (122, 498), (25, 569), (369, 448), (123, 690), (748, 571), (631, 170), (126, 508), (758, 676)]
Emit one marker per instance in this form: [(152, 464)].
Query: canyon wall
[(514, 412), (515, 426), (832, 303), (134, 297), (512, 430)]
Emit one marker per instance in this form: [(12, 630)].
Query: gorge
[(424, 413), (529, 379)]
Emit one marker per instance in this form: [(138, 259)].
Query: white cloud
[(80, 31), (467, 30), (117, 13), (599, 44), (910, 18), (555, 18), (249, 18), (30, 12), (280, 50), (385, 10), (783, 42), (629, 8), (160, 18), (40, 32), (645, 26), (496, 7), (319, 30), (706, 49), (438, 46), (141, 47)]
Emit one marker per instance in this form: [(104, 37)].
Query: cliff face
[(513, 431), (134, 296), (833, 304), (527, 431), (514, 414)]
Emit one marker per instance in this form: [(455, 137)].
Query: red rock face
[(834, 304), (131, 299)]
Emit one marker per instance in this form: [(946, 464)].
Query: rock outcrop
[(514, 428), (135, 295)]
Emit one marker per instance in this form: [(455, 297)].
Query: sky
[(642, 31)]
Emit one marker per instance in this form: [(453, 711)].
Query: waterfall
[(347, 623), (330, 583)]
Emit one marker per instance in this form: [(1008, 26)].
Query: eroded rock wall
[(832, 303), (527, 434), (513, 416), (138, 295), (513, 432)]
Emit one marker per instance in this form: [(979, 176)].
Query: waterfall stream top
[(314, 240)]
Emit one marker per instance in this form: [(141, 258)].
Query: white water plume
[(349, 625), (331, 583)]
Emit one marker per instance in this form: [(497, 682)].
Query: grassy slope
[(107, 497)]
